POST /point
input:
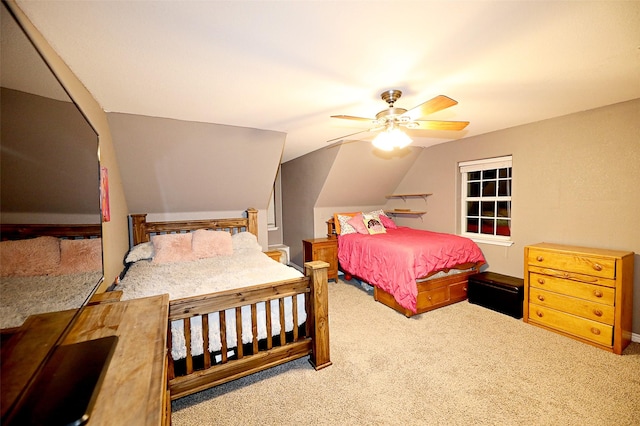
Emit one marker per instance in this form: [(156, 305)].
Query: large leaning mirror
[(49, 175)]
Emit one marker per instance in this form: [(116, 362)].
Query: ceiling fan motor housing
[(391, 96)]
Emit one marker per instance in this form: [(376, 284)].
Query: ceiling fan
[(391, 119)]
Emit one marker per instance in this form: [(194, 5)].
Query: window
[(271, 211), (486, 200)]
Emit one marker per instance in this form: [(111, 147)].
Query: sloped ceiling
[(360, 176), (286, 66), (170, 166)]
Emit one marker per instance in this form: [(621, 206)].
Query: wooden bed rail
[(274, 350), (24, 231)]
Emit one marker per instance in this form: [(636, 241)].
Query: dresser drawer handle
[(597, 267), (541, 298), (539, 313), (597, 312), (595, 331), (597, 293), (540, 280), (539, 258)]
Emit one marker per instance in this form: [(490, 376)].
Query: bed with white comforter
[(247, 265)]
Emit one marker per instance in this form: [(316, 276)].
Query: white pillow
[(245, 241), (143, 251)]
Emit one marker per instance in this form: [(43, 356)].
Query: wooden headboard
[(25, 231), (142, 230)]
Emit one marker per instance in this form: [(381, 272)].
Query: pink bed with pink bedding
[(394, 260)]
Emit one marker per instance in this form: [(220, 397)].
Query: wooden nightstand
[(325, 249), (274, 254)]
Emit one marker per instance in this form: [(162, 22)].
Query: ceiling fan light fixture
[(390, 139)]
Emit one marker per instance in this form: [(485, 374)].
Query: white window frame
[(272, 223), (480, 165)]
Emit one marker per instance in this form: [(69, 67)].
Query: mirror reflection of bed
[(51, 252)]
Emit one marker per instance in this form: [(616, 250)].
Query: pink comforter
[(394, 260)]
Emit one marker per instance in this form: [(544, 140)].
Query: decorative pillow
[(373, 224), (245, 241), (143, 251), (336, 220), (207, 243), (387, 222), (345, 227), (171, 248), (358, 224), (26, 258), (84, 255), (376, 213)]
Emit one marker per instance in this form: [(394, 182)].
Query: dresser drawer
[(571, 324), (573, 262), (580, 307), (595, 293)]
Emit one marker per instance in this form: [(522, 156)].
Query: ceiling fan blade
[(440, 125), (351, 117), (436, 104), (346, 136)]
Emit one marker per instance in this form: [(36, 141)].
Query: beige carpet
[(458, 365)]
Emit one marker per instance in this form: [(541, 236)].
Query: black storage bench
[(497, 292)]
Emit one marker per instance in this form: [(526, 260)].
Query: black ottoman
[(497, 292)]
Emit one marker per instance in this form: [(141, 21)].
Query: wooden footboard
[(206, 371), (433, 293)]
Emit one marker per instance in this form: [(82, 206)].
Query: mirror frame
[(36, 40)]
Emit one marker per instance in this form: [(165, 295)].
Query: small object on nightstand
[(325, 249)]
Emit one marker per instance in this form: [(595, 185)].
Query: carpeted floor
[(458, 365)]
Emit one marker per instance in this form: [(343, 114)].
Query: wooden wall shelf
[(405, 196), (404, 212)]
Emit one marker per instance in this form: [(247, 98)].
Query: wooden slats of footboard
[(314, 341)]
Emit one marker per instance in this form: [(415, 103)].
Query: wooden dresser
[(134, 388), (324, 249), (583, 293)]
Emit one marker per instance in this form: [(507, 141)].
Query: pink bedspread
[(394, 260)]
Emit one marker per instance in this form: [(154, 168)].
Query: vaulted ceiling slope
[(173, 166), (286, 66)]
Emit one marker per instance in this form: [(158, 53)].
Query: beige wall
[(49, 161), (115, 232), (177, 170), (576, 180), (302, 181)]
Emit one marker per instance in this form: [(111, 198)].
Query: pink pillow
[(211, 243), (83, 255), (387, 222), (171, 248), (358, 224), (26, 258)]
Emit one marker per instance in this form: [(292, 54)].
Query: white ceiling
[(288, 65)]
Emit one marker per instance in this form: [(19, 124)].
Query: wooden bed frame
[(25, 231), (432, 293), (196, 373)]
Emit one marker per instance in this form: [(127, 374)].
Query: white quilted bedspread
[(183, 279)]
